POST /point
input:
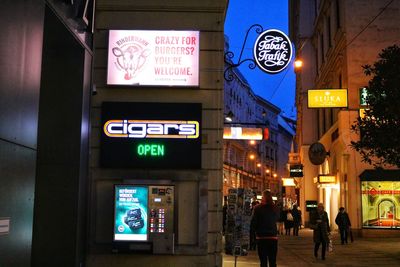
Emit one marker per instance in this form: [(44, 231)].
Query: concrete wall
[(198, 192)]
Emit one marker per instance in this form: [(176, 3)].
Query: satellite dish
[(317, 153)]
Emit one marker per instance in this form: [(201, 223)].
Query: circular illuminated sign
[(272, 51)]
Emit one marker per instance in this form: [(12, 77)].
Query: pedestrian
[(253, 243), (263, 221), (288, 221), (281, 219), (343, 221), (319, 222), (296, 213), (224, 213)]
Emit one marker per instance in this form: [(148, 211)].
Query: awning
[(380, 175)]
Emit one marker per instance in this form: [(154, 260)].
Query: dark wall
[(21, 34), (59, 213)]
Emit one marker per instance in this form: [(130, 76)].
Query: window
[(337, 14), (322, 48), (380, 206), (329, 31)]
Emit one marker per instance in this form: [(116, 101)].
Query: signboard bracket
[(228, 76)]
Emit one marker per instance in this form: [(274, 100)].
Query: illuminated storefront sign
[(361, 113), (363, 93), (272, 51), (296, 170), (327, 98), (151, 129), (288, 182), (326, 179), (150, 135), (240, 133), (311, 205), (144, 58), (380, 201)]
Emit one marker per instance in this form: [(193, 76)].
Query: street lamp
[(229, 116), (298, 63)]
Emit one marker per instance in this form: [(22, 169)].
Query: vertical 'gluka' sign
[(272, 51)]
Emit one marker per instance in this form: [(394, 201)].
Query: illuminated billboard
[(240, 133), (327, 98), (150, 135), (130, 213), (158, 58), (380, 201)]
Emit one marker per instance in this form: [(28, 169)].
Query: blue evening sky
[(279, 89)]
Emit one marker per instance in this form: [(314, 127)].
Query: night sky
[(279, 88)]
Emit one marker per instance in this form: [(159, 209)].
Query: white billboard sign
[(158, 58)]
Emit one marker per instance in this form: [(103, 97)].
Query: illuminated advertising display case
[(144, 215), (380, 202), (130, 213), (150, 135)]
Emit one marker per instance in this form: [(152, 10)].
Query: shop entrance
[(386, 211)]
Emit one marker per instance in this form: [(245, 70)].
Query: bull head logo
[(131, 59)]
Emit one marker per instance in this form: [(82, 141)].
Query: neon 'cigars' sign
[(151, 129), (272, 51)]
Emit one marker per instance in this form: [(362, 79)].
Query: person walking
[(296, 213), (288, 221), (263, 221), (281, 219), (343, 221), (253, 244), (319, 222)]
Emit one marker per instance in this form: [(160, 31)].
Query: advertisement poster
[(144, 58), (380, 204), (130, 215), (237, 224)]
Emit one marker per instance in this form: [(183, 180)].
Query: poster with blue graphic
[(130, 213)]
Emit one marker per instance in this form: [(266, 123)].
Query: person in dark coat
[(281, 219), (343, 221), (296, 213), (263, 222), (319, 222), (253, 243), (288, 221)]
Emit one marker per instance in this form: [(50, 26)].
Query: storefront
[(380, 199)]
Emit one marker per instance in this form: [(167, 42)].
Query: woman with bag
[(288, 222), (319, 222)]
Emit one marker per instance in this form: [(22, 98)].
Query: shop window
[(380, 202)]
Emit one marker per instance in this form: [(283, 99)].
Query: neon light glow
[(151, 129), (152, 150)]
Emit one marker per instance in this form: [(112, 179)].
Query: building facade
[(334, 39), (195, 237), (57, 199)]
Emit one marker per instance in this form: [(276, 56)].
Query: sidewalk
[(298, 251)]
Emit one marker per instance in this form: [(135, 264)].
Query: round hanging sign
[(272, 51), (317, 153)]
